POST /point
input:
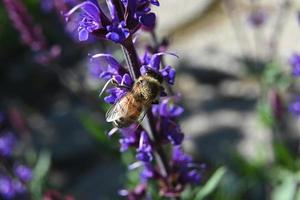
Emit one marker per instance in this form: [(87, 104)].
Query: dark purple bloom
[(183, 166), (89, 19), (257, 18), (130, 137), (7, 143), (117, 32), (167, 108), (174, 134), (114, 95), (117, 93), (23, 173), (105, 66), (294, 107), (192, 176), (148, 20), (147, 172), (168, 111), (138, 13), (144, 151), (179, 157), (295, 63), (6, 187)]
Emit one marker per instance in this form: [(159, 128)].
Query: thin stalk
[(133, 66), (133, 63)]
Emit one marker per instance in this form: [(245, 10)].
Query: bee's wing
[(142, 115), (118, 110)]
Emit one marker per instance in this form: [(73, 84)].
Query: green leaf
[(284, 156), (211, 184), (265, 114), (93, 127), (39, 174)]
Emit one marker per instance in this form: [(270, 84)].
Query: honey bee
[(134, 105)]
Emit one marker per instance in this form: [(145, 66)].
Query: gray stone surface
[(211, 39)]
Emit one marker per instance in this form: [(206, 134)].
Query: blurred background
[(234, 58)]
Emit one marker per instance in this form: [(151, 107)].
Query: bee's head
[(148, 87), (155, 75)]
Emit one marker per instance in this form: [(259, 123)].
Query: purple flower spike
[(24, 173), (295, 63), (7, 144), (89, 19)]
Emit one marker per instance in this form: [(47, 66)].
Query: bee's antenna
[(105, 86)]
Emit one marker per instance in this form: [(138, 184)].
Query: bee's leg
[(114, 81), (112, 131), (124, 87), (106, 85)]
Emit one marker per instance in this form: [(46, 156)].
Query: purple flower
[(168, 111), (105, 66), (144, 151), (89, 19), (117, 93), (7, 143), (138, 13), (6, 187), (295, 63), (173, 132), (184, 167), (153, 64), (23, 173), (147, 172), (294, 107), (117, 32), (167, 108), (130, 137)]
